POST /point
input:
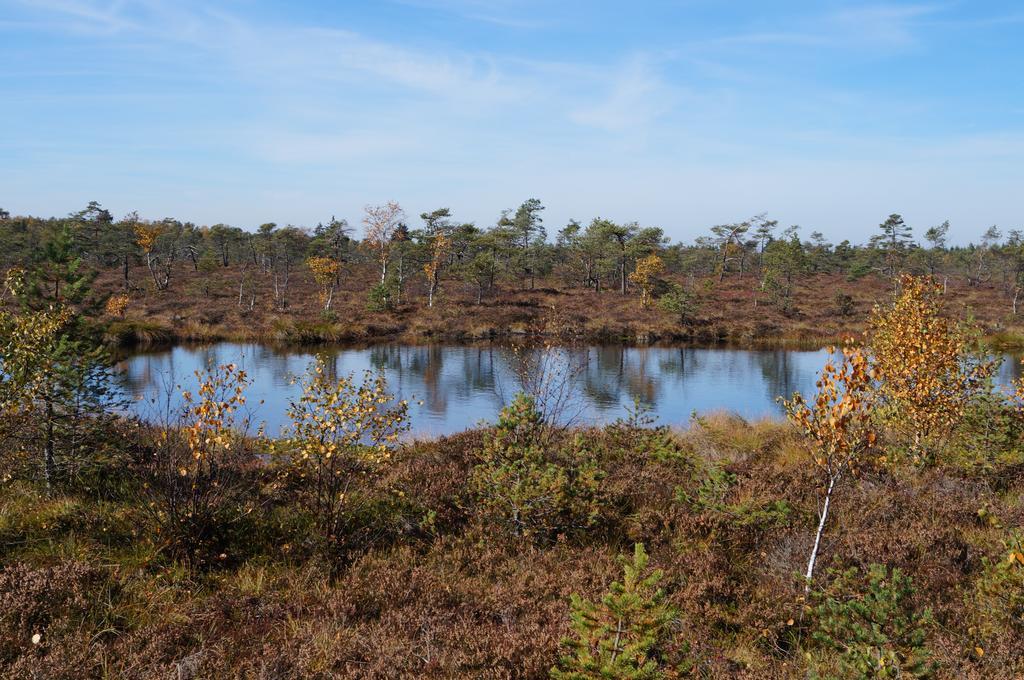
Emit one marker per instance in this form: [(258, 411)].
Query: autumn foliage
[(836, 427), (198, 468), (439, 250), (116, 305), (325, 271), (644, 276), (925, 367), (342, 433)]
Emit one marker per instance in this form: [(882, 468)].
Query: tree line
[(435, 250)]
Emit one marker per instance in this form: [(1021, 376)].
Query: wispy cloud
[(514, 14), (84, 16), (874, 26), (884, 25), (634, 96), (279, 146)]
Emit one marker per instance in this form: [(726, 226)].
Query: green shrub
[(713, 486), (381, 298), (679, 302), (528, 486), (627, 635), (844, 304), (638, 434), (869, 621), (988, 437), (997, 601)]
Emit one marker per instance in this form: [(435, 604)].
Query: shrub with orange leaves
[(837, 428), (925, 367), (341, 432), (117, 305), (646, 274), (212, 425)]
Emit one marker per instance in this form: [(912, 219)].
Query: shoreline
[(134, 335)]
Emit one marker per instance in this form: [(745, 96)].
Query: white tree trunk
[(817, 536)]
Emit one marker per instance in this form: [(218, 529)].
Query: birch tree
[(380, 224), (837, 429)]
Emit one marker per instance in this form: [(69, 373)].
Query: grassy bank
[(429, 588)]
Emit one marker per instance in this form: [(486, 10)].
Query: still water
[(454, 387)]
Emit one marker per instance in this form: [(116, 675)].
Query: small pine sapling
[(627, 634)]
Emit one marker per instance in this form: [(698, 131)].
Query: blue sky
[(674, 113)]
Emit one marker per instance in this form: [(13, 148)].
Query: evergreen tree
[(58, 275), (895, 239), (530, 236), (870, 621), (529, 485), (55, 387), (626, 635)]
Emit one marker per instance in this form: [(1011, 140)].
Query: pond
[(455, 387)]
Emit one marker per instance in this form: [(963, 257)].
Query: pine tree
[(529, 485), (624, 636), (870, 621), (57, 276), (55, 387), (895, 239)]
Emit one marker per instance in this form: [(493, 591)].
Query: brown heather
[(204, 306), (435, 593)]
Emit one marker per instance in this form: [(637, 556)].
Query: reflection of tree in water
[(604, 376), (427, 363), (480, 369), (280, 367), (136, 375), (387, 357), (1010, 370), (641, 383), (674, 363), (780, 370), (479, 379), (617, 371)]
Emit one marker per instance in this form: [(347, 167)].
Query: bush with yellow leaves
[(200, 471), (439, 250), (646, 275), (341, 433), (325, 272)]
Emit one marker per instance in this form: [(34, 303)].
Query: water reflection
[(455, 387)]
